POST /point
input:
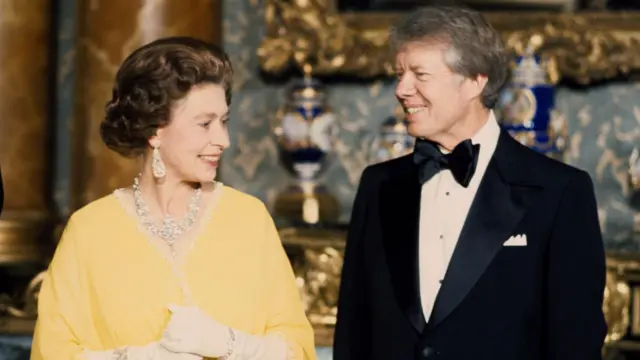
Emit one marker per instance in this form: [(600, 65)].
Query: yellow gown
[(109, 284)]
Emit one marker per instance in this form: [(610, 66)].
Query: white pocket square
[(518, 240)]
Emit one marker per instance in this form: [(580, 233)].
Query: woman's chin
[(207, 176)]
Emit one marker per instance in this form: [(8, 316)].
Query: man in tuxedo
[(473, 246)]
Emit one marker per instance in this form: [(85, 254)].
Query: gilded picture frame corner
[(584, 47)]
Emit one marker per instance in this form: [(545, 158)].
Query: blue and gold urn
[(393, 139), (526, 108), (306, 131)]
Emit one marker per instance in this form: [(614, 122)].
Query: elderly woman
[(177, 266)]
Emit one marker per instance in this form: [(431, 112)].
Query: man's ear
[(475, 86)]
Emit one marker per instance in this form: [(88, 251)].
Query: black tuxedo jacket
[(533, 302)]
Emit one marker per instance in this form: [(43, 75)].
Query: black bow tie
[(461, 161)]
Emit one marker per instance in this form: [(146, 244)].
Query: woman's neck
[(167, 196)]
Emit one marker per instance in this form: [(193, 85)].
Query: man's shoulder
[(544, 169), (389, 168)]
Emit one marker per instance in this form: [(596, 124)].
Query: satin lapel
[(399, 214), (497, 208)]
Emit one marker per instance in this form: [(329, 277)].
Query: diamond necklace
[(170, 230)]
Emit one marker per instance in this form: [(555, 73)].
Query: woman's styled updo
[(150, 81)]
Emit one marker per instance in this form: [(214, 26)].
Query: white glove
[(251, 347), (191, 330), (151, 351)]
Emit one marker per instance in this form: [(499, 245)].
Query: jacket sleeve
[(576, 275)]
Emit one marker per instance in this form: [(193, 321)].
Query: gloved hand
[(191, 330), (151, 351)]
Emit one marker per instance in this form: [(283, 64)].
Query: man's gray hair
[(473, 46)]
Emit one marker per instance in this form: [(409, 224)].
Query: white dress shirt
[(444, 205)]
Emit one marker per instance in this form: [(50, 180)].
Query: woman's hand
[(191, 330), (150, 351)]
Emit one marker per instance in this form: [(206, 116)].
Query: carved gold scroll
[(583, 47)]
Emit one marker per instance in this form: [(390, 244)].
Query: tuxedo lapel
[(497, 208), (399, 216)]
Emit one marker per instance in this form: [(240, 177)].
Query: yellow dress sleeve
[(63, 328), (286, 316)]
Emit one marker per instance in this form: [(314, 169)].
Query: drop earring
[(157, 165)]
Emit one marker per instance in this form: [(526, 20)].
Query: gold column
[(24, 155), (108, 31)]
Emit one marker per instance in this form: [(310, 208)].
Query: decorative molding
[(316, 256), (583, 47), (18, 315)]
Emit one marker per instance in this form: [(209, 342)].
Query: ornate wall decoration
[(602, 121), (617, 298), (584, 47), (300, 32)]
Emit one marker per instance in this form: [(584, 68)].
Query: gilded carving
[(617, 301), (316, 256), (26, 307), (320, 280), (584, 47), (300, 32)]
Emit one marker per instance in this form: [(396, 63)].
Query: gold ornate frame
[(583, 47)]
